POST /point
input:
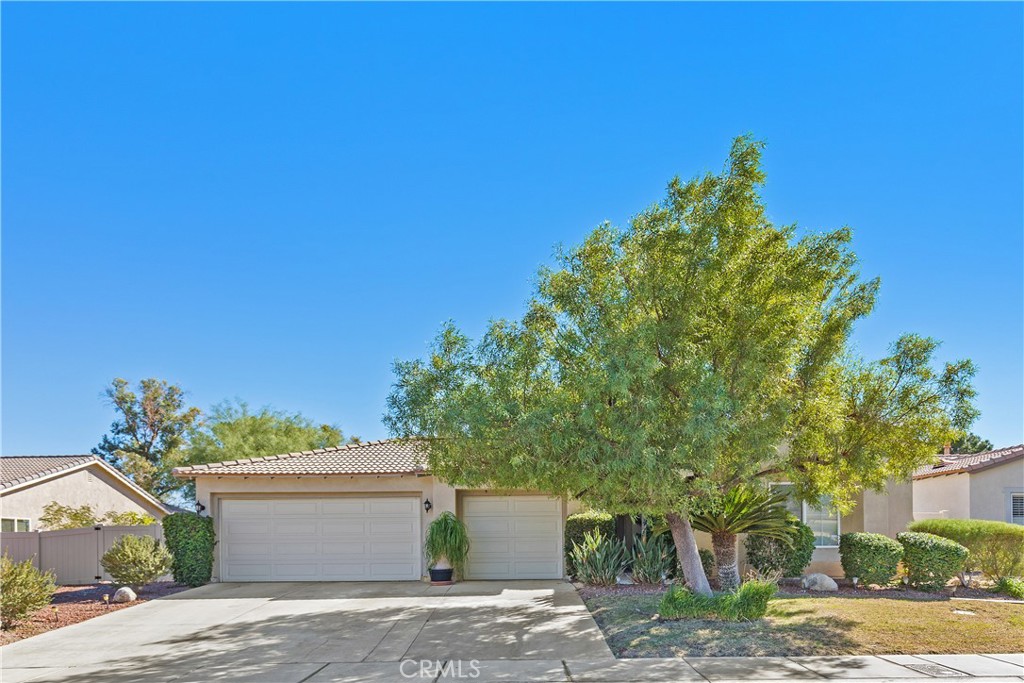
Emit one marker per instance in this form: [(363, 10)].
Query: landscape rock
[(124, 594), (820, 582)]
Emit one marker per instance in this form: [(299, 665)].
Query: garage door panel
[(539, 506), (536, 526), (296, 527), (301, 508), (326, 539), (513, 537), (484, 505)]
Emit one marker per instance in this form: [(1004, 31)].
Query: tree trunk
[(724, 545), (686, 549)]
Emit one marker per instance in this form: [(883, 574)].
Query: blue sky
[(275, 201)]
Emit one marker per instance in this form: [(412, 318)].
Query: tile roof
[(955, 464), (18, 469), (389, 456)]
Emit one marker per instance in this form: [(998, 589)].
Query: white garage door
[(320, 539), (513, 537)]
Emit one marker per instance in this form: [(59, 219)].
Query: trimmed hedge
[(930, 560), (871, 558), (579, 524), (768, 555), (994, 547), (190, 538), (746, 603)]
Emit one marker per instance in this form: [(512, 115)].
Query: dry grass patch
[(801, 625)]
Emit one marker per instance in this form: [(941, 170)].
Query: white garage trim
[(340, 538), (513, 537)]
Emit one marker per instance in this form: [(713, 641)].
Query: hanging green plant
[(447, 543)]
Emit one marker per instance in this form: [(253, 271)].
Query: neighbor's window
[(822, 517), (13, 524), (1017, 508)]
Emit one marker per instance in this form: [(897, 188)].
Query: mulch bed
[(79, 603)]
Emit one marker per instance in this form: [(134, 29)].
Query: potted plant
[(446, 548)]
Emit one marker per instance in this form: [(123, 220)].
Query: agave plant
[(652, 558), (599, 560), (741, 510)]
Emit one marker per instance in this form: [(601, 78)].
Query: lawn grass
[(804, 625)]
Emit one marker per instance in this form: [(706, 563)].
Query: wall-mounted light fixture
[(199, 508), (427, 505)]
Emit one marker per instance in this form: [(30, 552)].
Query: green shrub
[(994, 547), (129, 518), (448, 540), (578, 524), (598, 560), (23, 590), (930, 561), (749, 602), (769, 555), (707, 561), (651, 558), (190, 539), (681, 603), (746, 603), (136, 561), (1012, 586), (871, 558)]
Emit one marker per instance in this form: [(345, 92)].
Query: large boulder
[(124, 594), (820, 582)]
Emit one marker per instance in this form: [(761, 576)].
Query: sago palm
[(741, 510)]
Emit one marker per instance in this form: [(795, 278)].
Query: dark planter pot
[(441, 577)]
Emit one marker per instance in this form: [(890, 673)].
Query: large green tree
[(147, 439), (666, 363), (232, 431), (970, 443)]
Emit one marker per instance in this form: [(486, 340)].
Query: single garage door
[(320, 539), (513, 537)]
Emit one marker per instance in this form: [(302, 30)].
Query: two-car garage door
[(320, 539), (379, 538)]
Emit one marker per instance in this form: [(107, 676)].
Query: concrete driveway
[(319, 632)]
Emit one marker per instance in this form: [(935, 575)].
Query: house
[(360, 512), (887, 512), (987, 485), (29, 483)]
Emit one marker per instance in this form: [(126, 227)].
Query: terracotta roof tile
[(390, 456), (18, 469), (955, 464)]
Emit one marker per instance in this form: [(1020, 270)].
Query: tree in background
[(667, 363), (970, 443), (147, 439), (231, 431)]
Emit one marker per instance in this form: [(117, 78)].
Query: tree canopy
[(146, 440), (700, 347), (970, 443), (233, 431)]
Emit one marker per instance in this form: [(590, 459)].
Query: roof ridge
[(282, 456), (69, 455)]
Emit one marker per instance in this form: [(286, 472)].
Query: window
[(1017, 508), (13, 524), (821, 517)]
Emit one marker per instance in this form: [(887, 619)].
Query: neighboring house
[(29, 483), (987, 485), (360, 512)]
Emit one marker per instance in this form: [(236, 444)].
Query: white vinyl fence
[(72, 554)]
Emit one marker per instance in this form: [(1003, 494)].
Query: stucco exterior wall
[(89, 486), (991, 488), (945, 497)]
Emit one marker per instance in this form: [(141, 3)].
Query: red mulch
[(79, 603)]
